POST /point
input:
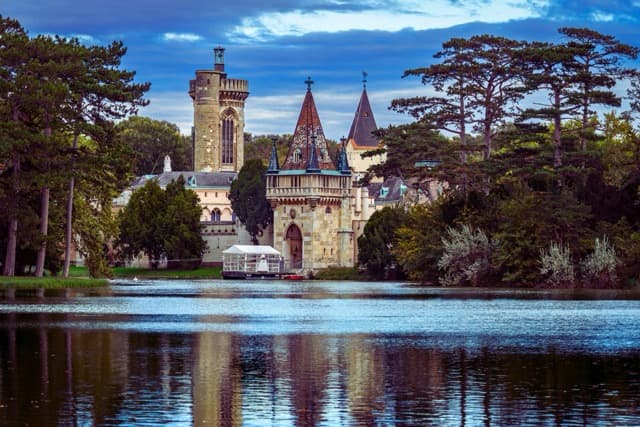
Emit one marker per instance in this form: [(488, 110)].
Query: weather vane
[(364, 79)]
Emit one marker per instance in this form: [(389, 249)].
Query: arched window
[(227, 140), (215, 215)]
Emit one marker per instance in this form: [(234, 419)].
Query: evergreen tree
[(184, 245), (598, 66), (248, 198), (377, 241), (480, 80), (141, 224)]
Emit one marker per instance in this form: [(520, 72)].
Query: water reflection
[(102, 377), (185, 353)]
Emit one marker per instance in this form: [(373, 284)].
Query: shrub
[(599, 268), (466, 256), (556, 262)]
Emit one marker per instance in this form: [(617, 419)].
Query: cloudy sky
[(276, 44)]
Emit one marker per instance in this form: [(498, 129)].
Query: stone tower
[(311, 198), (218, 118)]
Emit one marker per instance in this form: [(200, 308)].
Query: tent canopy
[(251, 250)]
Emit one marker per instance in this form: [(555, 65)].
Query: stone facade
[(311, 199), (218, 118)]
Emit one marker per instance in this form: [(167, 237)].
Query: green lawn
[(198, 273), (30, 282)]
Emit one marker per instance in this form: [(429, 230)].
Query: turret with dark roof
[(363, 123)]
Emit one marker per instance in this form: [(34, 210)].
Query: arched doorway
[(293, 239)]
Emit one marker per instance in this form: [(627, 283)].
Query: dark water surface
[(318, 353)]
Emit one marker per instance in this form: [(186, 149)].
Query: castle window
[(227, 140), (297, 155), (215, 215), (327, 210)]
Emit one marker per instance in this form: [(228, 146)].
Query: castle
[(319, 206)]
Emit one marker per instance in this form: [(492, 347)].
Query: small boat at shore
[(292, 277)]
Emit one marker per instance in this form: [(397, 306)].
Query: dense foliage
[(163, 224), (58, 101), (248, 195), (151, 140), (531, 175), (376, 242)]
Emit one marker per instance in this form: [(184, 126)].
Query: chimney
[(218, 59)]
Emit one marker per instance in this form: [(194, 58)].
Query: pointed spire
[(343, 163), (312, 164), (364, 123), (273, 167), (308, 124)]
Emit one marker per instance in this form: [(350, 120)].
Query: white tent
[(240, 261), (251, 249)]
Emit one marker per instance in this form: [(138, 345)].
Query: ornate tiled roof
[(308, 125), (363, 124)]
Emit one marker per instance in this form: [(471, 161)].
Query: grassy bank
[(198, 273), (30, 282)]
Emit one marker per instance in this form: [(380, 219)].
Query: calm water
[(317, 353)]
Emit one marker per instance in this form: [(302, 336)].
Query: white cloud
[(602, 17), (419, 15), (174, 107), (181, 37)]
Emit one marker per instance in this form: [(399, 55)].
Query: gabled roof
[(308, 124), (363, 124), (191, 179)]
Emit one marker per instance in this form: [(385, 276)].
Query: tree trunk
[(10, 256), (44, 218), (9, 268), (68, 230), (557, 133), (69, 225), (44, 226)]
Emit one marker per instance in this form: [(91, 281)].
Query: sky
[(277, 44)]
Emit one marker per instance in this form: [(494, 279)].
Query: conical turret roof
[(363, 124), (300, 148)]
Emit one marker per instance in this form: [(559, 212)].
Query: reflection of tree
[(53, 376), (415, 378), (309, 370)]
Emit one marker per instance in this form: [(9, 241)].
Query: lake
[(313, 353)]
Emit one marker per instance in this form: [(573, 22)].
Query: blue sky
[(277, 44)]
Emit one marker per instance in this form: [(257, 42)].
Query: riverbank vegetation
[(146, 273), (30, 282), (538, 179)]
